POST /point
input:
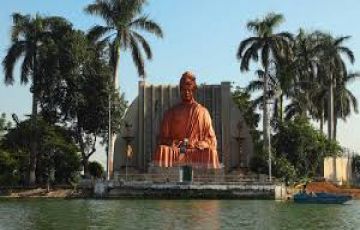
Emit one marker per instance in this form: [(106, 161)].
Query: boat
[(321, 198)]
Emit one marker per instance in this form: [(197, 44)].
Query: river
[(174, 214)]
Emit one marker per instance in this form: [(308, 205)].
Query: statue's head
[(187, 86)]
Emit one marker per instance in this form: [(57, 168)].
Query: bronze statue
[(187, 136)]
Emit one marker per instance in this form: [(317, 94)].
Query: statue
[(187, 137)]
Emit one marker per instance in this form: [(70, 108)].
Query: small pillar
[(186, 174)]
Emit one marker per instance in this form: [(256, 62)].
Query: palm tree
[(123, 22), (330, 53), (27, 36), (271, 47)]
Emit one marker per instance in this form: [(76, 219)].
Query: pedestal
[(185, 174)]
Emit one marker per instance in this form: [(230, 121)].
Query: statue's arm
[(210, 137), (165, 138)]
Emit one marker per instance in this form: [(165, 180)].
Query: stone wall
[(338, 169)]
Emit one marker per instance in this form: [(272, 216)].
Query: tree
[(96, 169), (330, 52), (303, 146), (123, 22), (78, 89), (271, 47), (28, 35), (57, 151)]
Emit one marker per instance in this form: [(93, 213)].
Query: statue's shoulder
[(202, 108)]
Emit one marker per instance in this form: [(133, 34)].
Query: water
[(175, 214)]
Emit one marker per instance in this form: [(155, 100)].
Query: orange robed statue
[(187, 137)]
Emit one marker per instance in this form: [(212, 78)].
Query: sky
[(201, 36)]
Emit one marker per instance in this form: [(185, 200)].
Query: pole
[(108, 166), (126, 168)]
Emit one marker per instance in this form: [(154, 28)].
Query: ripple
[(174, 214)]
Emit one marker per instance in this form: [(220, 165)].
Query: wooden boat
[(321, 198)]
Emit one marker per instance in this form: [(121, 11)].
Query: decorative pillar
[(225, 120)]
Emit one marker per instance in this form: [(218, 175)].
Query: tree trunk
[(34, 138), (331, 122), (111, 135), (85, 162), (281, 107), (322, 117), (331, 109), (266, 121), (322, 123), (335, 129)]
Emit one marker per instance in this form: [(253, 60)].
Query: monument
[(233, 147), (186, 136)]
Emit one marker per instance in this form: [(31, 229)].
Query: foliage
[(124, 23), (284, 169), (4, 125), (56, 151), (96, 169), (356, 164), (303, 146), (9, 174), (247, 107)]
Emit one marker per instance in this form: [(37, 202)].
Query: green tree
[(96, 169), (303, 146), (57, 151), (28, 35), (271, 47), (330, 52)]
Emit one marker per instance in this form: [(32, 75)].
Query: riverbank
[(140, 190), (150, 190), (41, 193)]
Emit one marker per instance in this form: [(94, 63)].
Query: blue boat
[(321, 198)]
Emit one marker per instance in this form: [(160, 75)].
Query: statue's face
[(186, 92)]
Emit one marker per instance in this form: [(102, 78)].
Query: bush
[(9, 174), (96, 169), (303, 146)]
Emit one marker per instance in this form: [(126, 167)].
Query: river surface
[(174, 214)]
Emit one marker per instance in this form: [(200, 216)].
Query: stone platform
[(170, 190)]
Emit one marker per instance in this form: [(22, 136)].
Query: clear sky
[(200, 35)]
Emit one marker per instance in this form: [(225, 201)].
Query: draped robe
[(191, 121)]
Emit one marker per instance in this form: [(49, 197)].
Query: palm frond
[(243, 45), (96, 32), (144, 44), (137, 56), (101, 8), (147, 25), (250, 53), (26, 68), (13, 54), (254, 86)]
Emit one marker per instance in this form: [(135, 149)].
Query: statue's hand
[(176, 143), (202, 145)]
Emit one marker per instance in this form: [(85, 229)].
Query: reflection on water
[(175, 214)]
